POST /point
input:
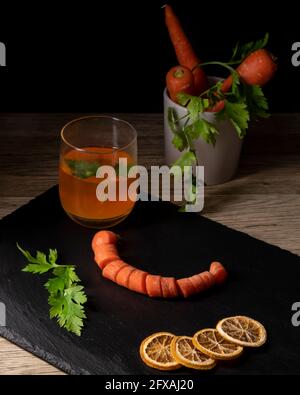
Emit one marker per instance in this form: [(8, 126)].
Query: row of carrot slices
[(118, 271)]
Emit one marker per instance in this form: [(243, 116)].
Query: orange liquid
[(78, 195)]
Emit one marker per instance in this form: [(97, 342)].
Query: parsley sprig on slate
[(66, 297)]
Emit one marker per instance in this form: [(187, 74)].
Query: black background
[(112, 56)]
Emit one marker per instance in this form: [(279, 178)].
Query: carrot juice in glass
[(88, 144)]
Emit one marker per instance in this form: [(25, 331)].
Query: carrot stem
[(226, 65)]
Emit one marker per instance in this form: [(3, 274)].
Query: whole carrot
[(184, 50), (257, 69), (180, 80)]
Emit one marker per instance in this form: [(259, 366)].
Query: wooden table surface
[(263, 200)]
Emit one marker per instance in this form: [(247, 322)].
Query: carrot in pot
[(257, 69), (184, 50), (179, 80), (217, 107)]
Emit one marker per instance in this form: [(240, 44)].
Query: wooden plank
[(14, 360)]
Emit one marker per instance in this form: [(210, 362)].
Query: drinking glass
[(88, 143)]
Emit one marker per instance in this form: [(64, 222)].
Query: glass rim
[(113, 149)]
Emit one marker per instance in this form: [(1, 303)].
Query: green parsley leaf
[(235, 82), (256, 101), (67, 307), (194, 107), (218, 89), (204, 129), (194, 104), (179, 141), (52, 256), (173, 120), (38, 264), (66, 296), (186, 159), (67, 274), (240, 52), (183, 98), (82, 168), (37, 268), (55, 285), (238, 114)]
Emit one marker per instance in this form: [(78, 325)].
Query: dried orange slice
[(243, 331), (211, 343), (185, 353), (155, 351)]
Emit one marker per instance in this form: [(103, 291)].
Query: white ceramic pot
[(220, 161)]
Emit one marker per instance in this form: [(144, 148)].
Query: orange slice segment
[(155, 351), (211, 343), (243, 331), (185, 353)]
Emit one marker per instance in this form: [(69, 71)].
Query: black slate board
[(263, 283)]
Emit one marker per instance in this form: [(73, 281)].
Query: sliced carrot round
[(112, 269), (208, 279), (105, 254), (153, 286), (137, 281), (186, 287), (169, 287), (122, 277), (218, 271), (104, 237), (198, 282)]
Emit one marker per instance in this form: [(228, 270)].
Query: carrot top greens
[(66, 297), (240, 52)]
